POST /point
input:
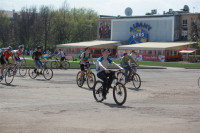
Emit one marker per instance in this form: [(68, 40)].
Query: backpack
[(83, 56), (33, 55)]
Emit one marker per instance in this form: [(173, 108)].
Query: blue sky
[(107, 7)]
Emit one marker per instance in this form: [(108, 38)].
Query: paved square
[(168, 101)]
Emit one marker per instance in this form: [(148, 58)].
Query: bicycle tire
[(49, 72), (118, 90), (9, 76), (136, 81), (32, 74), (90, 78), (98, 90), (54, 65), (78, 81), (66, 65), (121, 78), (22, 70)]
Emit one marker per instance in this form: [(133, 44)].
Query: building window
[(149, 52), (159, 52), (185, 22), (140, 51)]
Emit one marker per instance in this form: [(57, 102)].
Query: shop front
[(154, 51)]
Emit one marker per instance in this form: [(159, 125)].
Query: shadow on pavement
[(112, 105)]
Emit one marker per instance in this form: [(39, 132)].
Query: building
[(155, 37)]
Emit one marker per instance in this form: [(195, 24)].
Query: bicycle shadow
[(11, 85), (112, 105), (85, 88), (134, 89)]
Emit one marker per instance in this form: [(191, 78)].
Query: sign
[(139, 33)]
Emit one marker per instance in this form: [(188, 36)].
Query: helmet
[(21, 46), (9, 48)]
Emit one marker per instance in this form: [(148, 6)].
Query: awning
[(187, 51)]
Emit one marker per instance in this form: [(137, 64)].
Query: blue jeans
[(39, 63), (134, 68), (127, 69)]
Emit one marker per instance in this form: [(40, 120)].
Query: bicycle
[(118, 90), (134, 77), (56, 63), (21, 67), (47, 73), (88, 75), (8, 74)]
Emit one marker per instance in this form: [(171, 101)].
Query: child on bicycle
[(62, 57), (102, 72), (17, 54), (36, 57), (126, 66), (134, 56), (4, 59), (84, 60)]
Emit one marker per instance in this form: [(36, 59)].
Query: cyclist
[(102, 72), (4, 59), (61, 54), (84, 60), (36, 57), (134, 56), (126, 66), (17, 54)]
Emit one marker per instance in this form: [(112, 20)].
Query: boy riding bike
[(62, 57), (36, 57), (4, 59), (17, 54), (126, 66), (84, 60), (103, 72)]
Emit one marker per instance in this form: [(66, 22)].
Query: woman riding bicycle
[(4, 59), (102, 72), (126, 66)]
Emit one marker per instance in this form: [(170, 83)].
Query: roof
[(91, 44), (155, 45), (186, 51)]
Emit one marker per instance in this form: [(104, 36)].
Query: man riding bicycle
[(103, 72), (84, 60), (36, 57), (126, 66), (62, 57), (17, 54), (4, 59)]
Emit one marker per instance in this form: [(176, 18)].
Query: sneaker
[(41, 72), (104, 97), (35, 70), (38, 73)]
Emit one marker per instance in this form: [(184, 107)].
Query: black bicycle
[(47, 72), (134, 78), (8, 74), (88, 76), (119, 90), (56, 63)]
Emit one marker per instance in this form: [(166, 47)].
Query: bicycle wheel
[(119, 93), (32, 73), (66, 65), (198, 82), (91, 79), (22, 70), (78, 79), (121, 78), (136, 81), (48, 73), (97, 91), (9, 76), (54, 65)]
